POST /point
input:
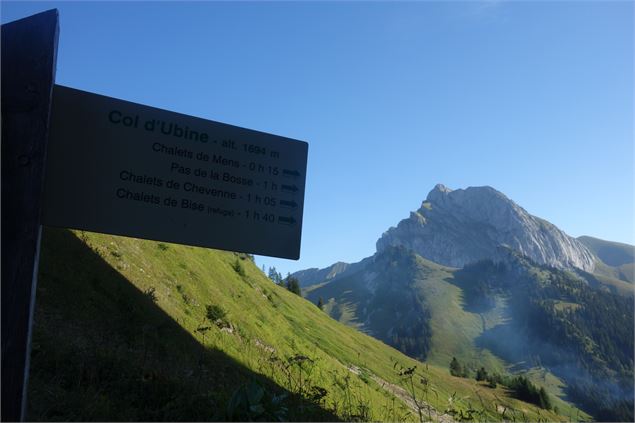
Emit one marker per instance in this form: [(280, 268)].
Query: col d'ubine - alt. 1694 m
[(128, 169)]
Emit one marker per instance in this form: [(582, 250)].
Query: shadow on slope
[(103, 350)]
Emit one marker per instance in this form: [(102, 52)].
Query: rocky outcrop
[(457, 227)]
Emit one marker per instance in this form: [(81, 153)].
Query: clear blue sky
[(532, 98)]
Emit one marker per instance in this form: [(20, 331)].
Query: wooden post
[(29, 52)]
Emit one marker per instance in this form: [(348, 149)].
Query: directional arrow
[(286, 220), (289, 204), (290, 173), (289, 188)]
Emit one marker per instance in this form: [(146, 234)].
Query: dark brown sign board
[(127, 169), (29, 51)]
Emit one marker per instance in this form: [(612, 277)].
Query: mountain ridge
[(449, 286), (591, 248), (458, 227)]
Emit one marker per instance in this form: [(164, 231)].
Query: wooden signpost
[(80, 160), (29, 49)]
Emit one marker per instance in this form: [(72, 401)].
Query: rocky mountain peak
[(457, 227), (439, 189)]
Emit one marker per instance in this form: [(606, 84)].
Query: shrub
[(251, 402), (293, 285), (320, 303), (527, 391), (455, 368), (364, 376), (151, 294), (481, 374), (186, 299), (238, 267), (215, 312)]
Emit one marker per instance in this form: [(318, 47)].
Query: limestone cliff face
[(458, 227)]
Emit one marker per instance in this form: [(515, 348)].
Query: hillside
[(509, 317), (616, 260), (521, 297), (127, 329), (314, 275), (397, 291)]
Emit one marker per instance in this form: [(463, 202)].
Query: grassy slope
[(454, 329), (453, 334), (115, 338), (608, 277), (617, 259)]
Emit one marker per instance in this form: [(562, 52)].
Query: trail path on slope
[(428, 411), (483, 322)]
